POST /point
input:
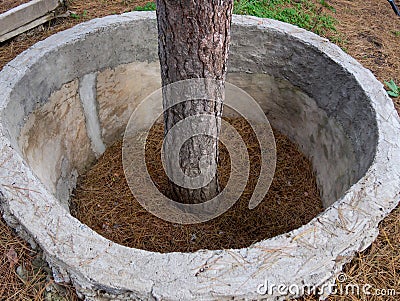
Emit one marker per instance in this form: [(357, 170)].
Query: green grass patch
[(325, 4), (147, 7), (77, 16), (396, 33), (303, 13), (393, 89)]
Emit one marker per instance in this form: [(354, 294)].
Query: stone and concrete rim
[(310, 255)]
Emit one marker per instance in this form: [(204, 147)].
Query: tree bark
[(194, 40)]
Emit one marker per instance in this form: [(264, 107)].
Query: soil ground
[(367, 29)]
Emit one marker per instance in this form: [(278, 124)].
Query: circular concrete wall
[(68, 97)]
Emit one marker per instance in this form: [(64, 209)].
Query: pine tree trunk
[(193, 43)]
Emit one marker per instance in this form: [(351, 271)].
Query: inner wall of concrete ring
[(77, 99)]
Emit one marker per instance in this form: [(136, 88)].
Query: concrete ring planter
[(66, 98)]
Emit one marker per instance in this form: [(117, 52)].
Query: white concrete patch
[(87, 92), (328, 80), (120, 90)]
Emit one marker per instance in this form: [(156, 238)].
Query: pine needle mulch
[(104, 202), (23, 273)]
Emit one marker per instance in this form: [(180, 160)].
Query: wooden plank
[(25, 14), (26, 27)]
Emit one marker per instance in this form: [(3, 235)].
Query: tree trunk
[(193, 43)]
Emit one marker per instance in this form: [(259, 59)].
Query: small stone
[(21, 272)]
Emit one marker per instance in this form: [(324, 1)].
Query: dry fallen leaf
[(12, 257)]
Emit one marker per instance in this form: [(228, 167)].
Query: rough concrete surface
[(319, 96), (120, 90), (48, 135), (87, 92), (297, 115)]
